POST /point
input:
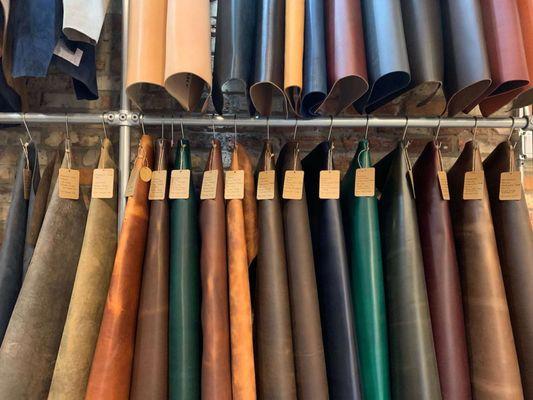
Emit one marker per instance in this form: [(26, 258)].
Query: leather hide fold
[(525, 11), (294, 53)]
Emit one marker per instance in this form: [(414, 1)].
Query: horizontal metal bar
[(76, 118)]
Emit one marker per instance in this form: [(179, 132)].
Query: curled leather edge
[(263, 94), (294, 53)]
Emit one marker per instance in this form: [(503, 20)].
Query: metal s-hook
[(66, 126), (235, 130), (435, 138), (67, 144), (213, 127), (513, 125), (182, 129), (330, 128), (162, 129), (295, 129), (268, 128), (141, 120), (405, 129), (26, 126), (474, 131), (103, 126), (366, 127)]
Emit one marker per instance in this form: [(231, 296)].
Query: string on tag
[(182, 129), (235, 131), (213, 126), (162, 130), (295, 155), (474, 144), (436, 137), (366, 128), (330, 156), (25, 151), (330, 128), (26, 126), (141, 120), (365, 149), (268, 128), (182, 149), (295, 129), (67, 144)]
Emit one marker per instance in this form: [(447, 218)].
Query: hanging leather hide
[(216, 368), (110, 374), (150, 361), (83, 20), (315, 74), (309, 358), (188, 56), (185, 329), (361, 226), (274, 361), (514, 238), (346, 61), (240, 307), (466, 70), (31, 342), (12, 249), (525, 11), (294, 53), (89, 292), (442, 276), (386, 53), (234, 49), (493, 362), (413, 366), (333, 281)]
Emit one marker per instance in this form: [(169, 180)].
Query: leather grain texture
[(185, 328), (309, 357), (150, 361), (216, 357), (494, 367), (525, 11), (363, 244), (466, 68), (274, 360), (413, 366), (442, 276), (89, 293), (32, 339), (294, 53), (514, 238), (333, 280), (110, 375)]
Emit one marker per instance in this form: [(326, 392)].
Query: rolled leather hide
[(466, 68), (346, 62), (32, 339), (494, 367), (83, 20), (361, 227), (89, 292), (110, 374), (294, 53), (413, 366), (240, 306), (386, 53), (216, 364), (150, 361), (315, 74), (12, 250), (525, 11), (333, 281), (234, 49), (507, 57), (188, 56), (185, 329), (274, 361), (309, 358), (442, 276), (515, 241), (268, 74)]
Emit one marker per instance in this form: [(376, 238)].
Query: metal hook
[(474, 131), (405, 129), (162, 129), (366, 127), (182, 129), (26, 126), (141, 120), (295, 129), (330, 128), (512, 129), (103, 126), (437, 131), (66, 125), (235, 130), (213, 126), (268, 128)]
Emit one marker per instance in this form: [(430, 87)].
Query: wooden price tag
[(443, 183), (158, 185), (209, 185), (69, 184), (132, 182), (103, 183), (265, 185), (26, 176), (180, 181), (146, 174), (234, 185), (293, 185), (365, 182), (329, 184), (510, 186), (474, 185)]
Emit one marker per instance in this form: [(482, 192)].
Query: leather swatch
[(32, 339), (514, 238), (188, 56), (442, 276), (269, 50), (386, 53), (240, 305), (150, 360), (525, 11), (216, 363), (273, 348), (89, 293), (363, 244), (294, 53), (185, 329), (493, 362), (346, 60), (234, 50), (466, 68), (12, 249), (508, 64), (309, 357), (333, 281), (413, 366), (110, 374)]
